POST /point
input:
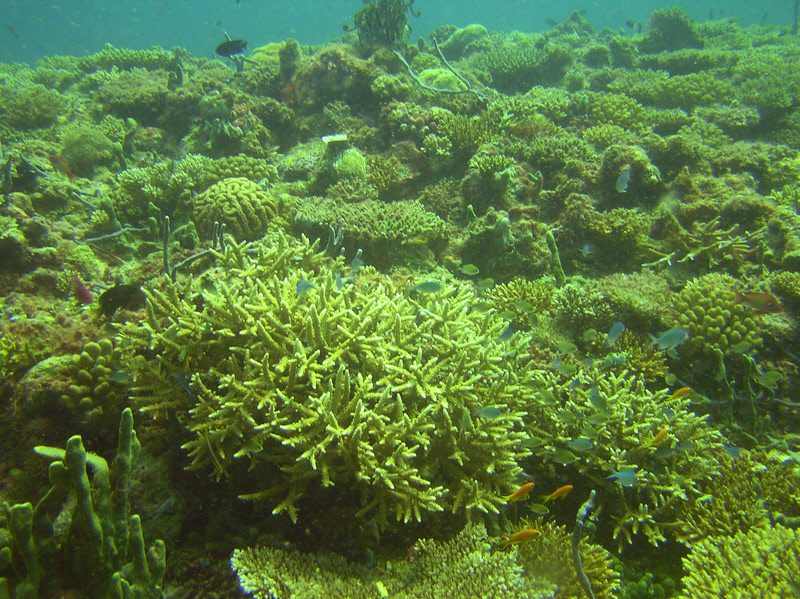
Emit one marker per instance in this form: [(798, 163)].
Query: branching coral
[(761, 563), (463, 568), (360, 388), (620, 419)]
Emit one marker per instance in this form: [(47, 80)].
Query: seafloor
[(486, 315)]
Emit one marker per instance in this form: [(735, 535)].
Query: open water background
[(37, 28)]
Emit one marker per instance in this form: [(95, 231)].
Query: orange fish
[(680, 392), (660, 435), (520, 494), (560, 492), (519, 537), (763, 303)]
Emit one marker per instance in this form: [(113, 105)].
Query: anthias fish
[(520, 493), (231, 48), (519, 537), (764, 303), (560, 492)]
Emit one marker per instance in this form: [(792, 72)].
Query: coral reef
[(759, 563), (244, 207), (462, 568), (95, 544)]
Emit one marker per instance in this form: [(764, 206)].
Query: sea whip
[(583, 513)]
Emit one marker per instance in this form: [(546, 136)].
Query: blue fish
[(586, 250), (671, 339), (488, 413), (614, 334), (338, 279), (624, 179), (505, 335), (304, 287), (626, 477), (427, 287)]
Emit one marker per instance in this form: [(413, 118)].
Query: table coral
[(243, 206), (462, 568)]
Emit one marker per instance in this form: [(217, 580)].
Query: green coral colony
[(356, 296)]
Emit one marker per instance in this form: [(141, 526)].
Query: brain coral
[(243, 206)]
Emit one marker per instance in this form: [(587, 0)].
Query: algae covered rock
[(244, 207), (85, 147)]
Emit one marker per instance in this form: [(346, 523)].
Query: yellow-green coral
[(361, 388), (761, 563), (709, 311), (463, 568), (244, 207), (95, 393), (549, 557), (621, 418)]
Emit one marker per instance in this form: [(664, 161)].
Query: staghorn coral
[(708, 309), (549, 557), (616, 109), (670, 29), (523, 297), (620, 417), (579, 309), (244, 207), (786, 285), (360, 390), (462, 568), (761, 563), (751, 491), (165, 185)]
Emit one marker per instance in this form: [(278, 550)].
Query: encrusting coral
[(463, 568), (313, 385)]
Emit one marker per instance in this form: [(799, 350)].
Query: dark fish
[(630, 24), (550, 22), (119, 296), (13, 30), (231, 48)]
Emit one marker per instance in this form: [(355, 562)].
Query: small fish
[(550, 22), (614, 334), (734, 452), (13, 30), (539, 509), (304, 287), (560, 492), (507, 334), (670, 339), (61, 166), (523, 306), (121, 378), (487, 413), (598, 401), (470, 270), (119, 296), (485, 284), (598, 419), (682, 392), (355, 265), (427, 287), (482, 307), (763, 303), (624, 179), (563, 457), (338, 279), (626, 477), (580, 444), (586, 250), (630, 24), (231, 48), (519, 494), (82, 294), (658, 438), (519, 537)]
